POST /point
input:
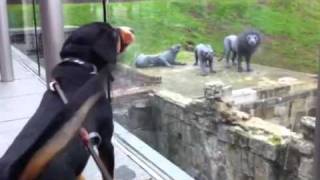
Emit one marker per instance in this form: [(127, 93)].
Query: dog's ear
[(74, 50), (106, 46), (76, 45)]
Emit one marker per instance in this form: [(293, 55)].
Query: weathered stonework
[(282, 106), (211, 139), (308, 125), (231, 149)]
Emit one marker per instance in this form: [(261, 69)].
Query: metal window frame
[(51, 13), (6, 65)]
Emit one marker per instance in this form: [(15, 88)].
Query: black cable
[(104, 9), (109, 76), (36, 34)]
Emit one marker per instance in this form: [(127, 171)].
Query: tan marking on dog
[(127, 37), (81, 177), (59, 140), (126, 34)]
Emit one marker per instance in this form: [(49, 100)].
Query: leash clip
[(95, 138), (55, 87), (52, 85)]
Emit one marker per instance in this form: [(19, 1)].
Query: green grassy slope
[(291, 28)]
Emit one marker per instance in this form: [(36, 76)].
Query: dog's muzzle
[(126, 37)]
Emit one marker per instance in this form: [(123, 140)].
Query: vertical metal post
[(52, 33), (316, 164), (105, 10), (35, 24), (6, 67)]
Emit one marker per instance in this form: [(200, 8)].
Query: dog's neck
[(84, 64), (73, 71)]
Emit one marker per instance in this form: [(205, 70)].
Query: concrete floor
[(186, 80)]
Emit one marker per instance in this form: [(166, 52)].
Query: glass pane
[(181, 121), (77, 13), (234, 121), (26, 40)]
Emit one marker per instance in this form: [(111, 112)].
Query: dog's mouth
[(126, 37)]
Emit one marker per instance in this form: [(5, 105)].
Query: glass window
[(26, 39), (213, 65)]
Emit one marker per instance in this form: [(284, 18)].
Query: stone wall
[(282, 105), (305, 148), (211, 139), (135, 114), (194, 136)]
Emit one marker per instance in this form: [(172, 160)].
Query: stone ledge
[(174, 98), (265, 139), (134, 74), (308, 125), (259, 137), (304, 147)]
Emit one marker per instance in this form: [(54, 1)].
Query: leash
[(86, 138)]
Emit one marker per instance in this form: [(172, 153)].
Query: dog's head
[(97, 43)]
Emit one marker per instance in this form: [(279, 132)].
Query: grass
[(290, 27)]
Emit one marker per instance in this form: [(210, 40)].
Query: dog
[(205, 54), (243, 45), (49, 146), (166, 58)]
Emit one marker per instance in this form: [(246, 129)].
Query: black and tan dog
[(49, 146)]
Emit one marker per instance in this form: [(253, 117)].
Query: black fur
[(240, 47), (94, 43), (244, 49)]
